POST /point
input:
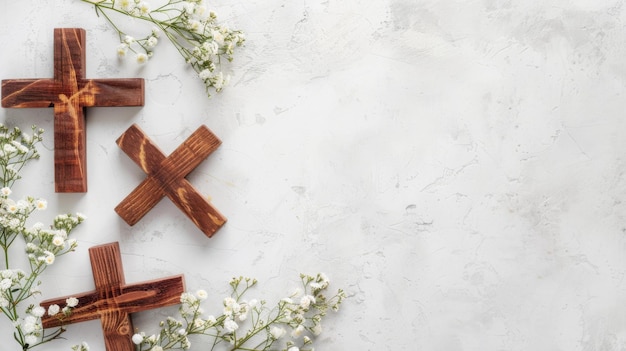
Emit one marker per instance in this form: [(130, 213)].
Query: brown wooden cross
[(113, 300), (70, 93), (166, 177)]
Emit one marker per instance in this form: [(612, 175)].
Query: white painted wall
[(456, 166)]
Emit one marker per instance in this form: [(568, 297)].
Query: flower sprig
[(202, 41), (289, 325), (17, 149), (42, 245)]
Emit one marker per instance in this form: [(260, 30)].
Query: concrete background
[(456, 166)]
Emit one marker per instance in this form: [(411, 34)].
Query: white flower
[(5, 191), (49, 259), (317, 329), (305, 301), (218, 37), (72, 302), (31, 339), (211, 320), (297, 332), (152, 41), (41, 204), (187, 298), (218, 81), (189, 8), (294, 348), (277, 332), (29, 325), (5, 284), (202, 294), (58, 240), (230, 325), (38, 311), (144, 7), (142, 58), (194, 26), (205, 74), (80, 216), (121, 50), (53, 310), (137, 339), (8, 148), (129, 40), (12, 207)]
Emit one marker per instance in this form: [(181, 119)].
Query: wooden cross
[(114, 300), (70, 93), (166, 177)]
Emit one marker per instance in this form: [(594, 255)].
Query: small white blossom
[(144, 7), (202, 294), (297, 332), (38, 311), (277, 332), (5, 284), (72, 302), (230, 325), (137, 339), (41, 204), (53, 310), (141, 58), (122, 49), (31, 339), (49, 259), (5, 191), (152, 41), (58, 240)]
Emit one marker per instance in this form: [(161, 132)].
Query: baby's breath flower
[(277, 332), (72, 302), (137, 339), (142, 58), (188, 26), (122, 49), (202, 294), (230, 325), (53, 310)]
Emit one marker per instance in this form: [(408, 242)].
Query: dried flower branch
[(43, 246), (195, 32), (290, 325)]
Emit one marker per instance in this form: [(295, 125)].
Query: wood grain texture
[(166, 177), (69, 92), (113, 300)]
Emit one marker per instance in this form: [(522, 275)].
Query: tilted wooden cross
[(166, 177), (69, 92), (114, 300)]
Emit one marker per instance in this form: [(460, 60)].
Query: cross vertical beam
[(69, 92)]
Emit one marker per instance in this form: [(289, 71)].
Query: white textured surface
[(456, 166)]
